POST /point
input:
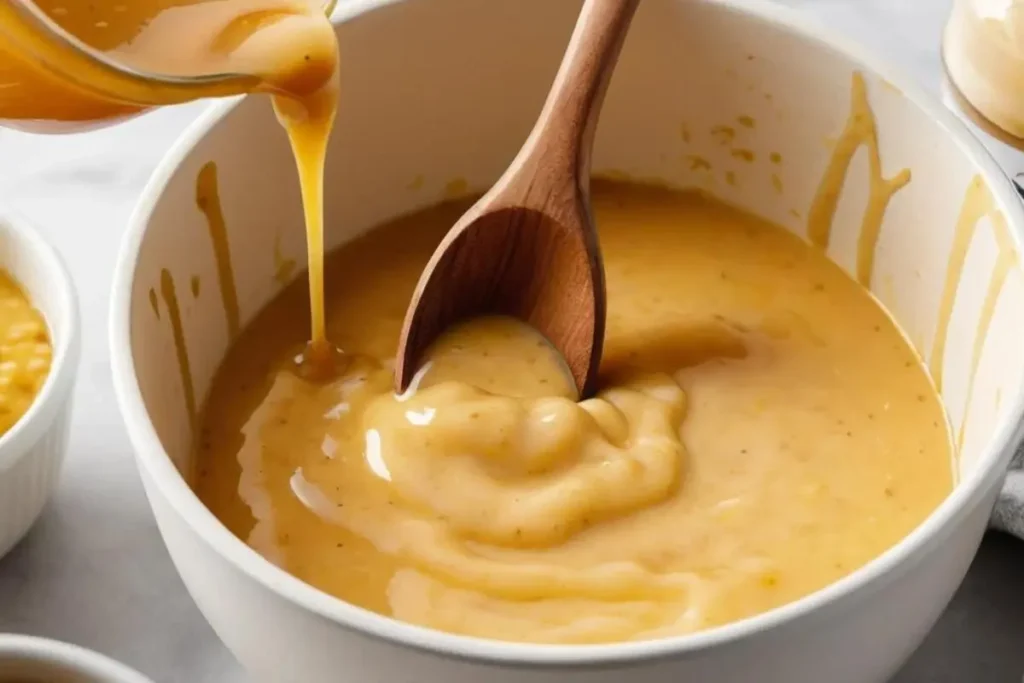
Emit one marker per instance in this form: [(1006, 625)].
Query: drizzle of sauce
[(309, 129), (194, 285), (180, 348), (208, 201), (154, 303), (977, 204), (860, 130), (1005, 263)]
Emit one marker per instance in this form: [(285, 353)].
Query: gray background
[(94, 570)]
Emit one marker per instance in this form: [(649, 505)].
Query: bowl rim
[(80, 660), (39, 417), (157, 466)]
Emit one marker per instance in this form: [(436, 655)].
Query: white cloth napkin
[(1009, 512)]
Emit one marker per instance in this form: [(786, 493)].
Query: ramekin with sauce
[(39, 350), (435, 102)]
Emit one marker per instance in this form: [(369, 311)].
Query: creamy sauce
[(25, 353), (860, 130), (763, 429)]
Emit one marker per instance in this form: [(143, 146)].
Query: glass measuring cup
[(61, 72)]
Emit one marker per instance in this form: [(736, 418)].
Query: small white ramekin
[(32, 451), (30, 658)]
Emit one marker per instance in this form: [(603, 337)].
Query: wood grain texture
[(528, 248)]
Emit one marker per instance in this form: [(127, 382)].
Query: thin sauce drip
[(208, 201), (977, 204), (1005, 264), (860, 130), (154, 303), (170, 296)]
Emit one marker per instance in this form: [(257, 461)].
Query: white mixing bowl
[(438, 95)]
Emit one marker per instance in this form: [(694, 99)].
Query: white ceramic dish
[(435, 99), (31, 452), (25, 658)]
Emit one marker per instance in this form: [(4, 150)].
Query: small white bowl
[(26, 658), (440, 94), (32, 451)]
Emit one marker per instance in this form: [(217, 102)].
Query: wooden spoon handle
[(564, 133)]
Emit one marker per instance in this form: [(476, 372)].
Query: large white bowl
[(437, 92), (33, 450)]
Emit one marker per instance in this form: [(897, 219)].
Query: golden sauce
[(977, 204), (309, 128), (25, 353), (170, 296), (208, 201), (748, 446), (861, 130), (154, 303)]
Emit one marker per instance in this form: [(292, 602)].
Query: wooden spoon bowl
[(528, 248)]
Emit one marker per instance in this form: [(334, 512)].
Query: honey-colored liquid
[(286, 48)]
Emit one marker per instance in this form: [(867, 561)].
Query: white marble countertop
[(94, 570)]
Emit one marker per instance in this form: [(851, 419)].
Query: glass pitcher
[(66, 65)]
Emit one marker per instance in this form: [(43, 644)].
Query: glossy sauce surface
[(763, 429)]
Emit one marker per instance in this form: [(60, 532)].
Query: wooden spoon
[(528, 248)]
